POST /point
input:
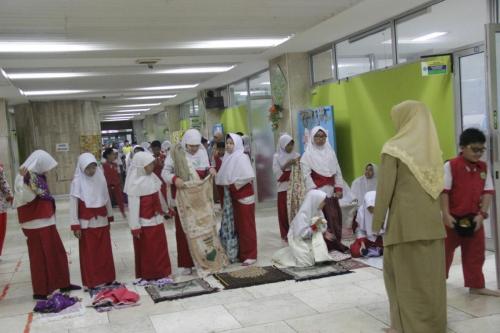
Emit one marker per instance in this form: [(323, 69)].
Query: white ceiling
[(122, 31)]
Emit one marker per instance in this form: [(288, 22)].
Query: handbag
[(465, 225)]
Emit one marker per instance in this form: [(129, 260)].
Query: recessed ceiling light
[(153, 97), (23, 76), (52, 92), (132, 105), (114, 115), (237, 43), (172, 87), (44, 47), (190, 70), (128, 110), (430, 36)]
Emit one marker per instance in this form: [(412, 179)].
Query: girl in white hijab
[(321, 170), (36, 212), (368, 243), (186, 161), (90, 210), (283, 161), (305, 237), (366, 183), (237, 174), (146, 212)]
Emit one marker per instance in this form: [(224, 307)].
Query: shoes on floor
[(70, 288)]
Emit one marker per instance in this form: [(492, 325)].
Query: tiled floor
[(348, 303)]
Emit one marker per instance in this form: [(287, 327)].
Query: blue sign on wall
[(217, 128), (307, 119)]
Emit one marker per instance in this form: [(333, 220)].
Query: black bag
[(465, 225)]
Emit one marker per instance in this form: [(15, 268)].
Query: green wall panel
[(235, 119), (362, 108)]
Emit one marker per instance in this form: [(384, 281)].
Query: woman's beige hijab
[(416, 144)]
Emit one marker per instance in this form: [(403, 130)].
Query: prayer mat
[(315, 272), (352, 264), (173, 291), (252, 276), (339, 256)]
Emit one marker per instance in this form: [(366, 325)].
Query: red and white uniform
[(283, 178), (146, 210), (91, 211), (112, 175), (48, 259), (198, 162), (237, 173), (465, 184), (5, 202), (321, 171)]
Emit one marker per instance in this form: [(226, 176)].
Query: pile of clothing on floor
[(115, 296), (55, 303)]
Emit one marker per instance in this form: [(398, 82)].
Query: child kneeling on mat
[(305, 237), (368, 243)]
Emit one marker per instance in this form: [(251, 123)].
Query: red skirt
[(96, 257), (283, 214), (115, 192), (184, 258), (333, 215), (3, 229), (244, 222), (48, 260), (151, 254)]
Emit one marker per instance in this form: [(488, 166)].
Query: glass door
[(471, 103), (493, 70)]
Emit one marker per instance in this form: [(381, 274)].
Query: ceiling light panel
[(171, 87), (236, 43), (152, 97), (44, 47), (52, 92)]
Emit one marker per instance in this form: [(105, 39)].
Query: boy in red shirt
[(466, 197)]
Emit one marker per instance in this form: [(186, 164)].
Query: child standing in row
[(6, 198), (112, 175), (283, 161), (36, 209), (237, 173), (91, 211), (143, 188)]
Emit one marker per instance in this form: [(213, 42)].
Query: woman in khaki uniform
[(410, 181)]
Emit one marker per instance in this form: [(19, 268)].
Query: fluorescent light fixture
[(237, 43), (129, 117), (153, 97), (129, 110), (427, 37), (120, 115), (23, 76), (173, 87), (266, 83), (52, 92), (44, 47), (132, 105), (241, 93), (191, 70)]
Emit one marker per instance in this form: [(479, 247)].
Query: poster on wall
[(91, 144), (217, 128), (307, 119)]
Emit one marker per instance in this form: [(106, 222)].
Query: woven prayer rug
[(172, 291), (251, 276)]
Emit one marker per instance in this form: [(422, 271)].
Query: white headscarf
[(361, 185), (91, 190), (236, 166), (165, 146), (39, 162), (283, 156), (365, 218), (308, 210), (145, 145), (321, 159), (137, 182), (199, 160)]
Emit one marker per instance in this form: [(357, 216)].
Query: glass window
[(186, 109), (238, 93), (260, 85), (440, 28), (322, 66), (364, 54)]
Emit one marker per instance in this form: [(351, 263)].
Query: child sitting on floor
[(305, 237), (368, 243)]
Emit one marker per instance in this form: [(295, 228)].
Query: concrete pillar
[(65, 129), (5, 150), (296, 88), (173, 119), (138, 126)]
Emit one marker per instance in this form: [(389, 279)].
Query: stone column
[(173, 120), (5, 151), (64, 129), (295, 68)]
